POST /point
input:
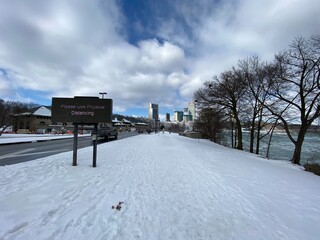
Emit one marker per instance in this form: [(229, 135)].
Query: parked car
[(106, 132)]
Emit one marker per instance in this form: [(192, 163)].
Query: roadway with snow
[(171, 187), (24, 138)]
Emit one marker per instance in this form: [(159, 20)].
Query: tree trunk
[(298, 146), (252, 135), (239, 134), (258, 133), (270, 139), (258, 140), (232, 145), (297, 154)]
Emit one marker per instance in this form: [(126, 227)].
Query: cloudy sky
[(138, 51)]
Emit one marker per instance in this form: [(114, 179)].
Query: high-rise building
[(186, 115), (192, 111), (178, 116), (153, 111), (167, 117)]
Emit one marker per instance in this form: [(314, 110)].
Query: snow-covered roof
[(115, 120), (38, 111), (119, 124), (126, 120), (141, 124), (42, 111)]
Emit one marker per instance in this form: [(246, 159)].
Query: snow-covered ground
[(172, 188)]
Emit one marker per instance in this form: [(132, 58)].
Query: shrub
[(312, 167)]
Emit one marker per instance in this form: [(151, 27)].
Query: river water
[(282, 148)]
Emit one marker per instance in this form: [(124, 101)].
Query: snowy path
[(172, 188)]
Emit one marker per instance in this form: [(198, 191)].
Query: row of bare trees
[(8, 109), (256, 93)]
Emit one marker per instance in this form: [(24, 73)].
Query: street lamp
[(102, 93), (195, 107)]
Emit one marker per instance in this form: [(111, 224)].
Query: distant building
[(141, 127), (167, 117), (186, 115), (154, 121), (36, 120), (178, 116), (153, 111), (192, 111)]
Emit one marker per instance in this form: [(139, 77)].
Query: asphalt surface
[(23, 152)]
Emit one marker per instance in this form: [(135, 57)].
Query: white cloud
[(138, 74), (234, 30), (68, 48), (164, 57), (5, 87)]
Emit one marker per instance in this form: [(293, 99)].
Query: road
[(17, 153)]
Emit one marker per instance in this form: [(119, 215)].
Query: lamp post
[(233, 143), (102, 96), (195, 114), (195, 108), (102, 93)]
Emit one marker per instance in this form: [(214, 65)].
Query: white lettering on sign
[(79, 113), (68, 106), (95, 107), (81, 107)]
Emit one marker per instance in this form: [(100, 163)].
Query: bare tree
[(259, 77), (210, 123), (8, 110), (251, 70), (226, 91), (4, 122), (295, 95)]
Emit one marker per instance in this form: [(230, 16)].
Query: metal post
[(75, 144), (95, 130), (232, 138)]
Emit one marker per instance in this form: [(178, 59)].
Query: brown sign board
[(82, 110)]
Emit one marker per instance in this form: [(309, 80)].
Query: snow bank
[(172, 188), (23, 138)]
